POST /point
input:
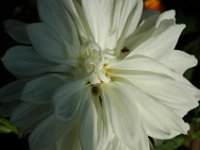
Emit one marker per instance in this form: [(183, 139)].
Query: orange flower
[(153, 4)]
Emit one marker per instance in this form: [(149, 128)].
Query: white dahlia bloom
[(97, 75)]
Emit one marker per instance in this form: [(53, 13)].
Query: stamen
[(92, 61)]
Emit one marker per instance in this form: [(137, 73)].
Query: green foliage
[(188, 74), (7, 127), (172, 144)]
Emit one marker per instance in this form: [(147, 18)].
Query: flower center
[(92, 61)]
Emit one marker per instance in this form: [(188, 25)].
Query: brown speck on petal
[(100, 100), (124, 50), (95, 90)]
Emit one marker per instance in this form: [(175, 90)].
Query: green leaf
[(188, 74), (7, 127), (196, 135), (172, 144)]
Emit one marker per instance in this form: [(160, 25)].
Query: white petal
[(113, 144), (26, 115), (24, 61), (133, 18), (48, 132), (41, 89), (89, 125), (7, 108), (67, 99), (109, 32), (94, 125), (144, 140), (122, 113), (154, 20), (180, 61), (135, 71), (116, 144), (53, 13), (147, 24), (95, 17), (17, 30), (160, 44), (71, 140), (143, 143), (152, 30), (76, 10), (139, 63), (163, 128), (167, 91), (159, 120), (12, 91), (47, 42), (122, 17), (167, 15)]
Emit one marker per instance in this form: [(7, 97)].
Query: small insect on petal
[(124, 50)]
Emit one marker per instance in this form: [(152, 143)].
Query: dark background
[(187, 12)]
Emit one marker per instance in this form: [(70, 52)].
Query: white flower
[(97, 76)]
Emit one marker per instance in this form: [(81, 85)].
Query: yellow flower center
[(92, 61)]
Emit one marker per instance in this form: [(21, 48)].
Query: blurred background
[(187, 12)]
